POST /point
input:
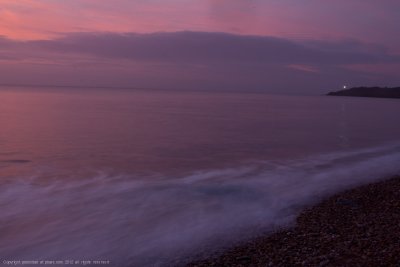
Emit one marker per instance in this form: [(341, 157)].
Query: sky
[(285, 46)]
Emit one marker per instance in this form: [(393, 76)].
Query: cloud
[(206, 48), (192, 60), (367, 20), (305, 68)]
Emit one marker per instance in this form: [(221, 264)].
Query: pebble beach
[(357, 227)]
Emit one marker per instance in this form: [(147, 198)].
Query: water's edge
[(149, 223), (243, 253)]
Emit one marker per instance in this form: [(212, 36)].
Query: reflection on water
[(135, 176)]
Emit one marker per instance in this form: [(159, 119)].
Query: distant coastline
[(381, 92)]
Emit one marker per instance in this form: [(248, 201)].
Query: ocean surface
[(148, 178)]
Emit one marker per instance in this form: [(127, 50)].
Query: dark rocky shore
[(380, 92), (359, 227)]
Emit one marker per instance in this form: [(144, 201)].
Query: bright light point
[(344, 86)]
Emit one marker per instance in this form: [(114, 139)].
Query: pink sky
[(367, 20), (337, 24)]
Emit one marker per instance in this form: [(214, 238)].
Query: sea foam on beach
[(147, 222)]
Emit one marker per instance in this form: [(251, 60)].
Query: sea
[(130, 177)]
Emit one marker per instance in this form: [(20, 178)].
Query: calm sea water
[(146, 177)]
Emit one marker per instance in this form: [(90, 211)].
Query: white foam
[(129, 220)]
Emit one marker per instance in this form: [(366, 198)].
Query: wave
[(136, 221)]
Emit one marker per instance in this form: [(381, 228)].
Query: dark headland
[(358, 227), (381, 92)]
